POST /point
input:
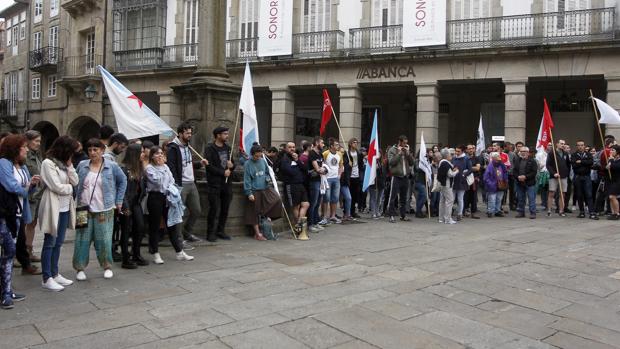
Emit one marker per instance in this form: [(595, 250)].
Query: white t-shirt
[(355, 170), (22, 179), (97, 204), (333, 162), (188, 167)]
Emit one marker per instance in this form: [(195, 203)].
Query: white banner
[(275, 28), (424, 23)]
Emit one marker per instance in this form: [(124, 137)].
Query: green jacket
[(33, 163), (399, 163)]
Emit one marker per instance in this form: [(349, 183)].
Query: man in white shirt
[(333, 161)]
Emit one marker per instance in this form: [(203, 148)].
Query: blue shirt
[(113, 180), (10, 184)]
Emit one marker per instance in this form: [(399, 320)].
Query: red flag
[(327, 111), (545, 129)]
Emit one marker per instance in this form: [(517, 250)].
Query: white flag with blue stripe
[(133, 118)]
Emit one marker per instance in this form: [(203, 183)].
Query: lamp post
[(90, 91)]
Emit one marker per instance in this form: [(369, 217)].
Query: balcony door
[(248, 28), (53, 45), (316, 18), (473, 31), (387, 15), (190, 30), (90, 63), (567, 22)]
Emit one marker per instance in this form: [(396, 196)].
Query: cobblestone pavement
[(500, 283)]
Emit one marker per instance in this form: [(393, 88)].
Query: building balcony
[(241, 50), (8, 109), (155, 58), (77, 71), (45, 59), (318, 44), (385, 39), (75, 8)]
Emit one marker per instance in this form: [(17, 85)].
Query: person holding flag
[(219, 185), (374, 178), (423, 180)]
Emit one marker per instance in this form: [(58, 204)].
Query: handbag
[(470, 179), (81, 212)]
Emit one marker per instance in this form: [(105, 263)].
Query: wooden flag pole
[(232, 145), (600, 131), (340, 132), (557, 170)]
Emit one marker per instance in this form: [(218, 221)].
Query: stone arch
[(49, 133), (83, 128)]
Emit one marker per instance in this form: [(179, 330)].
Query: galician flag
[(481, 142), (133, 118), (246, 104), (609, 115), (370, 176), (423, 161)]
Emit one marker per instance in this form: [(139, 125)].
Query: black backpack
[(9, 205)]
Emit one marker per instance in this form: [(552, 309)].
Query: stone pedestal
[(350, 112), (282, 116), (515, 107), (428, 114), (613, 99)]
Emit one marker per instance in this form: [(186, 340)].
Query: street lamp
[(90, 92)]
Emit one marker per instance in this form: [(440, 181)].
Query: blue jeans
[(435, 203), (332, 195), (375, 197), (51, 248), (494, 201), (346, 198), (315, 202), (420, 197), (524, 191), (459, 196)]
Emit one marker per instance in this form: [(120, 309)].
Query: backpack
[(266, 228)]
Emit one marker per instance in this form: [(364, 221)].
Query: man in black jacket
[(524, 170), (181, 164), (558, 176), (582, 163), (219, 184), (357, 174), (292, 173)]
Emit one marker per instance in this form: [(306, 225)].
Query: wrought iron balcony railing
[(80, 66), (376, 39), (534, 29), (314, 44), (240, 50), (8, 109), (157, 57), (45, 58)]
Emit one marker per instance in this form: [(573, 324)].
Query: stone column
[(212, 39), (613, 99), (350, 112), (169, 110), (515, 108), (427, 120), (282, 115)]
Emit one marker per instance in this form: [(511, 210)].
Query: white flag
[(481, 142), (423, 161), (133, 118), (609, 115), (247, 106)]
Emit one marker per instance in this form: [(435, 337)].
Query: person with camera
[(400, 160)]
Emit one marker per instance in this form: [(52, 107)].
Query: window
[(53, 8), (20, 85), (15, 33), (53, 36), (22, 26), (190, 27), (36, 88), (9, 34), (38, 10), (90, 54), (36, 40), (51, 86), (249, 25)]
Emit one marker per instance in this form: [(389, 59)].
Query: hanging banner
[(275, 28), (424, 23)]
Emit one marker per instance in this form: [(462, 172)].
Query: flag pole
[(232, 145), (557, 170), (600, 131), (339, 130), (190, 147)]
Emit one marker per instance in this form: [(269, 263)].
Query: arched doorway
[(83, 129), (49, 133)]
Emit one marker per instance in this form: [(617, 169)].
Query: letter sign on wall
[(424, 23), (275, 28)]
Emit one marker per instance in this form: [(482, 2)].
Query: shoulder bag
[(81, 212)]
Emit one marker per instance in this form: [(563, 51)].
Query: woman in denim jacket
[(102, 188)]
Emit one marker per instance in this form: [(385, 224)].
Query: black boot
[(128, 264)]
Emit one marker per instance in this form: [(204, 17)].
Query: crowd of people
[(113, 191)]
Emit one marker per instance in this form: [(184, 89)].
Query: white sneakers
[(62, 281), (52, 285), (182, 256), (108, 274), (80, 276), (157, 258)]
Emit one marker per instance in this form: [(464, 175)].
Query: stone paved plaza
[(493, 283)]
